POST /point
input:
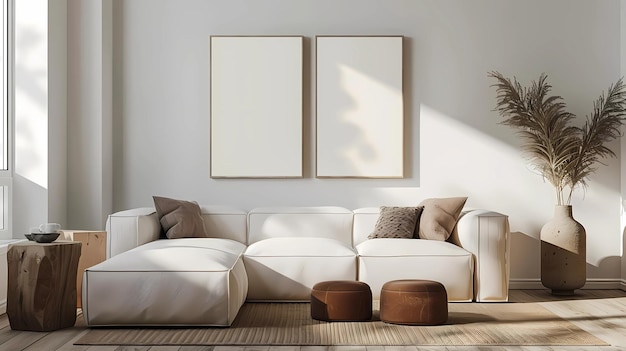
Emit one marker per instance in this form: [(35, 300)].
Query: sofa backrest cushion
[(225, 222), (323, 221), (364, 223)]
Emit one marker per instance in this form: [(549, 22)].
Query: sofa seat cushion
[(382, 260), (188, 254), (286, 268), (300, 247), (176, 282), (408, 247)]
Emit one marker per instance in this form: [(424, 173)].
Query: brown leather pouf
[(341, 300), (414, 302)]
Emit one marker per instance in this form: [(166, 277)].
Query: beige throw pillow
[(180, 219), (439, 217), (396, 222)]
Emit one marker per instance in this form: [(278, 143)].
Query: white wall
[(57, 112), (454, 145), (40, 162), (89, 129)]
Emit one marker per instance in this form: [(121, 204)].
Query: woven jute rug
[(291, 324)]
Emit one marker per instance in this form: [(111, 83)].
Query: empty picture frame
[(360, 112), (256, 106)]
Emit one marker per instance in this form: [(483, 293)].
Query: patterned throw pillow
[(180, 219), (396, 222)]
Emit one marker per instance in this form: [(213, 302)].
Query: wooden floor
[(600, 312)]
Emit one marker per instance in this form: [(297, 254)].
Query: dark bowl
[(45, 237)]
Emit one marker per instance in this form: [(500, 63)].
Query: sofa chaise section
[(293, 248), (173, 282)]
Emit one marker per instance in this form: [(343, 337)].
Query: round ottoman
[(341, 300), (414, 302)]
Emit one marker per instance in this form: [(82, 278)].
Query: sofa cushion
[(322, 221), (396, 222), (180, 219), (225, 222), (185, 254), (439, 217), (300, 247), (387, 247)]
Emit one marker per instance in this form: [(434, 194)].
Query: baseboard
[(519, 284), (603, 284), (592, 283), (3, 306)]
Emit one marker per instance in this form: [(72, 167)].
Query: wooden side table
[(92, 252), (42, 285)]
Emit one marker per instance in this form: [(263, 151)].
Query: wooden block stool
[(42, 285), (341, 300), (414, 302)]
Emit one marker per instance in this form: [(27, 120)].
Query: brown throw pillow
[(180, 219), (396, 222), (439, 217)]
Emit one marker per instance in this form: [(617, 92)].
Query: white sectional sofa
[(189, 281), (278, 254)]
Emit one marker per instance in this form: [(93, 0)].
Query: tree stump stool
[(42, 285)]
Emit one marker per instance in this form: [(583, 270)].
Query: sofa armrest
[(131, 228), (486, 235)]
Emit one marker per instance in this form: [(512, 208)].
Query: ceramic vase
[(563, 253)]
